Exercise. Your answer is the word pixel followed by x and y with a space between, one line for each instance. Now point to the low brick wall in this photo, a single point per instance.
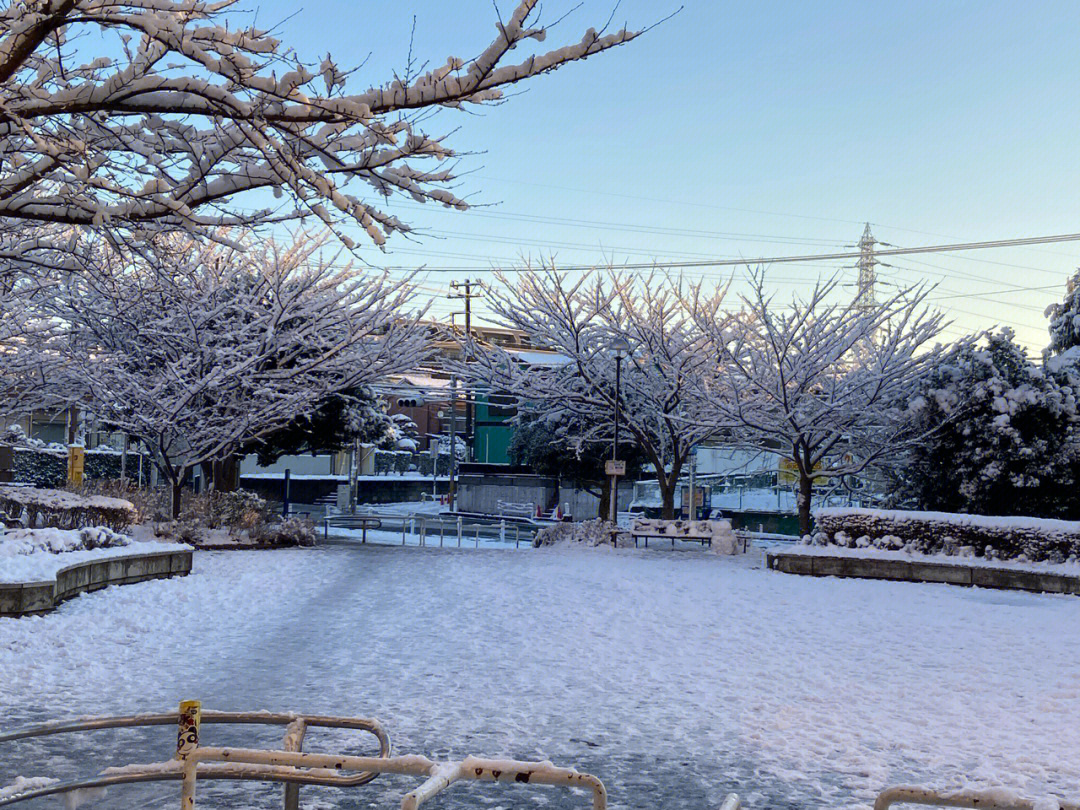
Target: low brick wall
pixel 980 576
pixel 32 598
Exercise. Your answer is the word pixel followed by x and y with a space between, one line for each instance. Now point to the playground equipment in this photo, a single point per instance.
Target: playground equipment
pixel 290 765
pixel 294 767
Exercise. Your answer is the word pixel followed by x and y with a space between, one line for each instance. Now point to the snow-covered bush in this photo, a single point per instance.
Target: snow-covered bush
pixel 951 533
pixel 210 518
pixel 40 508
pixel 20 541
pixel 292 531
pixel 596 532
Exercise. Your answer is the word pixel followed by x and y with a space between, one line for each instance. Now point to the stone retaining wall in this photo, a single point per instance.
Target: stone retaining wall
pixel 917 571
pixel 32 598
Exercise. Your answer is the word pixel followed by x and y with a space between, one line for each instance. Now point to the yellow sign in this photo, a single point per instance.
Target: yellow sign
pixel 789 471
pixel 76 463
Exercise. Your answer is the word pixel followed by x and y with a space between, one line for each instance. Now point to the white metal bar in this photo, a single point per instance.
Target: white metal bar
pixel 472 768
pixel 991 799
pixel 294 741
pixel 187 788
pixel 441 778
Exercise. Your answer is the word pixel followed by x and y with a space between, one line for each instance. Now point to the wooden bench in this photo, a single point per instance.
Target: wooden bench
pixel 700 531
pixel 671 530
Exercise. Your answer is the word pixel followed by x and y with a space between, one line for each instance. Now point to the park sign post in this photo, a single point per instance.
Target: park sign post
pixel 615 469
pixel 76 464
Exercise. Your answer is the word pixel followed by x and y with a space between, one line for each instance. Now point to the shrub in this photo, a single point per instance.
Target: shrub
pixel 292 531
pixel 54 508
pixel 384 462
pixel 948 533
pixel 241 514
pixel 423 461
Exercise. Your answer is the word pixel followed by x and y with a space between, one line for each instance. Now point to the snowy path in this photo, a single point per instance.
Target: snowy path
pixel 674 677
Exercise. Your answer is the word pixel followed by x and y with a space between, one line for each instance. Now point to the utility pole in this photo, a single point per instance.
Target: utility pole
pixel 452 489
pixel 467 286
pixel 864 298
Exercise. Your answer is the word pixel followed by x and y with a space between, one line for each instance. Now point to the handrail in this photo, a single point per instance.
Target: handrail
pixel 989 799
pixel 296 725
pixel 292 765
pixel 424 526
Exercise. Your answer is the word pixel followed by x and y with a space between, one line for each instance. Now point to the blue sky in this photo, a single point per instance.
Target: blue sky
pixel 754 129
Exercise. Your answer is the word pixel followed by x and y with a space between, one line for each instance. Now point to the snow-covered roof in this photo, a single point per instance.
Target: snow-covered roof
pixel 539 357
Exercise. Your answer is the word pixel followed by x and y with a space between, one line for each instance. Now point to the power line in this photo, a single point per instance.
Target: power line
pixel 999 243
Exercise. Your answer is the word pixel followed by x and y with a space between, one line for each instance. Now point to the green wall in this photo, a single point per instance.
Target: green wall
pixel 491 433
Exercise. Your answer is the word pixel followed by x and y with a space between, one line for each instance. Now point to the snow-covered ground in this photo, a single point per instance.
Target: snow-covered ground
pixel 675 677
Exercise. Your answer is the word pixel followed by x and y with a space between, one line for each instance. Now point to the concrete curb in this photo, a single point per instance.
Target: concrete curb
pixel 35 598
pixel 916 571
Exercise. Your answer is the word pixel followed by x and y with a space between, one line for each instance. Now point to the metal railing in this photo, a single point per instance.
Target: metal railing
pixel 449 530
pixel 990 799
pixel 290 765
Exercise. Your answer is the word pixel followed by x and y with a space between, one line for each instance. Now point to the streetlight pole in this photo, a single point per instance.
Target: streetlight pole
pixel 621 347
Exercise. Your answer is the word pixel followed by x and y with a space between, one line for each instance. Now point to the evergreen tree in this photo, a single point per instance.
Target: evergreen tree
pixel 551 445
pixel 1002 436
pixel 1065 319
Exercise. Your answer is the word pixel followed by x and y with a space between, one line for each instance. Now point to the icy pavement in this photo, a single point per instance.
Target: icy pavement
pixel 673 677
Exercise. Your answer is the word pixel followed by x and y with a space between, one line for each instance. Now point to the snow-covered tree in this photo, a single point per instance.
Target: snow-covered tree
pixel 198 349
pixel 167 113
pixel 823 383
pixel 550 445
pixel 1003 436
pixel 582 320
pixel 1065 319
pixel 402 434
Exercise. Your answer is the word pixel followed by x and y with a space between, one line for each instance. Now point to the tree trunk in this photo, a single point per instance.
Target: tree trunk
pixel 667 498
pixel 174 504
pixel 225 474
pixel 806 484
pixel 604 508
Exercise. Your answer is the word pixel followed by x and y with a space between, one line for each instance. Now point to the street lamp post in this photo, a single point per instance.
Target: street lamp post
pixel 621 348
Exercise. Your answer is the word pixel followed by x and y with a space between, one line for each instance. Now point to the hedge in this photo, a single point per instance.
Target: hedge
pixel 54 508
pixel 949 533
pixel 48 468
pixel 423 461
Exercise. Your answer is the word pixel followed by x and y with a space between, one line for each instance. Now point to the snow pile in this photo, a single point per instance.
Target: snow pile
pixel 949 533
pixel 596 532
pixel 38 508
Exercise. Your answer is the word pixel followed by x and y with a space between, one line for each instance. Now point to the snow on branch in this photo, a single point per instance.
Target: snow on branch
pixel 823 381
pixel 582 320
pixel 188 112
pixel 199 347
